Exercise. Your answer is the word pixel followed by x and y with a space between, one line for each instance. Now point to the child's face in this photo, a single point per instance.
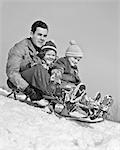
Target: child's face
pixel 74 60
pixel 49 57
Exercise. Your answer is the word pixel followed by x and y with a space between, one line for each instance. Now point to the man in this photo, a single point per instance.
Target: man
pixel 23 56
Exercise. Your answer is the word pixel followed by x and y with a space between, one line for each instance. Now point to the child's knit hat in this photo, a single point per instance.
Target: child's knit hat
pixel 49 45
pixel 74 50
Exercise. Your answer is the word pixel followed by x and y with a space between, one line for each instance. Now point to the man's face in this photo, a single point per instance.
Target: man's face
pixel 74 60
pixel 39 36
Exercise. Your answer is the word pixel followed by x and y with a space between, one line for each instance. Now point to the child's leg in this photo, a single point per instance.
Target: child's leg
pixel 106 104
pixel 97 96
pixel 78 91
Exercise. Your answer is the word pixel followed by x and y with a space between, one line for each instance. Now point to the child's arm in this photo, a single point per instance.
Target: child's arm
pixel 56 75
pixel 58 70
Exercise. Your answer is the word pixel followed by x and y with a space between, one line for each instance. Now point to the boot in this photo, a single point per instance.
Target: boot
pixel 32 94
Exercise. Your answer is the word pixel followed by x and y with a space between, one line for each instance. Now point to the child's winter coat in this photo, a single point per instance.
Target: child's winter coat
pixel 69 74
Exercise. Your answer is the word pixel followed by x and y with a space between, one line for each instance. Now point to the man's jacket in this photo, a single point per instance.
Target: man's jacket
pixel 21 57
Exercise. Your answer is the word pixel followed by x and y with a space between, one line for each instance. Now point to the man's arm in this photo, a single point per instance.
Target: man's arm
pixel 15 57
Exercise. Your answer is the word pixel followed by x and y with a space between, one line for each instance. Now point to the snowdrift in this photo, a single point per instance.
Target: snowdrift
pixel 24 127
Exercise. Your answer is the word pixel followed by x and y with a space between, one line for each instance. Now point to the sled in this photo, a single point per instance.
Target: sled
pixel 79 119
pixel 99 115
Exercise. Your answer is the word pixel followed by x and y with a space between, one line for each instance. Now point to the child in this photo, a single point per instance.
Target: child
pixel 65 74
pixel 70 91
pixel 67 66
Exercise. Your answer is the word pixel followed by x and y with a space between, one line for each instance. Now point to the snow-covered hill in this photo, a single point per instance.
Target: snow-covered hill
pixel 24 127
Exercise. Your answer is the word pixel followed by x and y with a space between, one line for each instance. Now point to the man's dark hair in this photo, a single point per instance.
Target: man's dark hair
pixel 38 24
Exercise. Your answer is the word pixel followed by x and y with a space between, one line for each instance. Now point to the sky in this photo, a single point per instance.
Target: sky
pixel 93 24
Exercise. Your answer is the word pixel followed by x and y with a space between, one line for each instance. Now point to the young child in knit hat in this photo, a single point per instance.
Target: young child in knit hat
pixel 67 66
pixel 65 74
pixel 48 54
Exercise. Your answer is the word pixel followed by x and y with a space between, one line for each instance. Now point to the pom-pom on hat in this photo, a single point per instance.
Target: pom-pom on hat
pixel 49 45
pixel 74 50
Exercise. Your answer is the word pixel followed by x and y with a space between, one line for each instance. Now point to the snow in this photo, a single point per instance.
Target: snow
pixel 24 127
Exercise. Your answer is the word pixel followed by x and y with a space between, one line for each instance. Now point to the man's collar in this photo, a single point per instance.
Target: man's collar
pixel 32 46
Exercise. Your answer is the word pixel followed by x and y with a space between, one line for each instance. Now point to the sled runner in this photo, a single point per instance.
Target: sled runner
pixel 87 120
pixel 63 112
pixel 79 119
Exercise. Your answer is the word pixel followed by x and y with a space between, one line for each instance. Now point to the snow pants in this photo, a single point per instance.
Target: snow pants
pixel 38 77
